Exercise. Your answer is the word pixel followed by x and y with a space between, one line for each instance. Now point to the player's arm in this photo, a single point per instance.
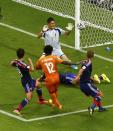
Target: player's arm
pixel 13 63
pixel 38 66
pixel 59 60
pixel 44 29
pixel 68 63
pixel 31 65
pixel 77 79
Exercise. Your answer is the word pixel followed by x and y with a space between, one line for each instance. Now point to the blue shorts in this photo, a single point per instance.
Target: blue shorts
pixel 29 85
pixel 89 89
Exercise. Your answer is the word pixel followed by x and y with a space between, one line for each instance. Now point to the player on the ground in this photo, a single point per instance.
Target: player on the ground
pixel 86 86
pixel 48 64
pixel 51 35
pixel 67 78
pixel 28 83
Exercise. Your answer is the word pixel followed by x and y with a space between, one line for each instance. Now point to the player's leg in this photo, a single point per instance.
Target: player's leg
pixel 97 97
pixel 100 78
pixel 104 78
pixel 23 103
pixel 53 94
pixel 39 93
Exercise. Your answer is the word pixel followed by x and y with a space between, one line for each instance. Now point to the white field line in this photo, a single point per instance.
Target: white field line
pixel 65 45
pixel 12 116
pixel 46 117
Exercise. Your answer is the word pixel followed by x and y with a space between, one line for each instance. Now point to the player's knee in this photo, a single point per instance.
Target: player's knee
pixel 38 84
pixel 29 96
pixel 98 98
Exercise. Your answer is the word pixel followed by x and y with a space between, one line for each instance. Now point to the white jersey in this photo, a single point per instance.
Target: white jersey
pixel 51 37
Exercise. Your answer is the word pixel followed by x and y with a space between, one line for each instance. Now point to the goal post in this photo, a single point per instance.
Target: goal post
pixel 93 18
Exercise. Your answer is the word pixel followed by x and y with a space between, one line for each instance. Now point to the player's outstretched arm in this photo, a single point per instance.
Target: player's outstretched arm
pixel 77 79
pixel 31 64
pixel 44 29
pixel 68 63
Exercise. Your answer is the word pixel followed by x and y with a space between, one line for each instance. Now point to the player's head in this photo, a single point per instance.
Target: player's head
pixel 90 54
pixel 48 49
pixel 51 23
pixel 20 53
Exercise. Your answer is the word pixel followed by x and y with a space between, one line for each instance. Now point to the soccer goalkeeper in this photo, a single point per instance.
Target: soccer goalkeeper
pixel 52 34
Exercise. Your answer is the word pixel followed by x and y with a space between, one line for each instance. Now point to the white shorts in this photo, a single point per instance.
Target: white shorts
pixel 58 52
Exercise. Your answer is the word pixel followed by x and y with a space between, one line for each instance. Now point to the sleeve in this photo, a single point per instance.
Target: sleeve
pixel 61 31
pixel 85 65
pixel 38 65
pixel 13 63
pixel 58 60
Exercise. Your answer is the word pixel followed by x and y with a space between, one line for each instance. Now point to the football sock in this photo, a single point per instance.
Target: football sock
pixel 93 106
pixel 39 93
pixel 23 104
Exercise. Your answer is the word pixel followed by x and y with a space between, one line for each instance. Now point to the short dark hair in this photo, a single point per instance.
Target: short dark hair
pixel 48 49
pixel 20 53
pixel 90 53
pixel 50 19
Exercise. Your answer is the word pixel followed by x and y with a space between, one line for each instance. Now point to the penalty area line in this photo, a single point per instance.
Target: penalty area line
pixel 47 117
pixel 65 45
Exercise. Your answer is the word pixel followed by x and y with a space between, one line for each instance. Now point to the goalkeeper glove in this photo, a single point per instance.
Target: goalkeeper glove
pixel 45 28
pixel 70 26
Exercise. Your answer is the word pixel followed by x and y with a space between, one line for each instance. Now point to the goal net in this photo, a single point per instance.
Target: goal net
pixel 93 18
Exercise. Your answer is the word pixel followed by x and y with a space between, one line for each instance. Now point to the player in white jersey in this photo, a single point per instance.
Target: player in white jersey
pixel 52 34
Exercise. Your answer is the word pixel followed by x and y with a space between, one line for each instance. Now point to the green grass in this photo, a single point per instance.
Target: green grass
pixel 72 98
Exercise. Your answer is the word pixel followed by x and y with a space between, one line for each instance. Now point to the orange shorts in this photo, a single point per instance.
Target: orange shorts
pixel 52 83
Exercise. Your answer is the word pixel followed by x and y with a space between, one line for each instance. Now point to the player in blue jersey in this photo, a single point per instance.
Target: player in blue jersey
pixel 28 83
pixel 86 86
pixel 67 78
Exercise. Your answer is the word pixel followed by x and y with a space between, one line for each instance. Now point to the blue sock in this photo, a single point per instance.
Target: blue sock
pixel 23 104
pixel 39 93
pixel 93 106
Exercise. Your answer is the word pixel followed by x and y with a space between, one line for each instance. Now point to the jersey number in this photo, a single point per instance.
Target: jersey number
pixel 50 67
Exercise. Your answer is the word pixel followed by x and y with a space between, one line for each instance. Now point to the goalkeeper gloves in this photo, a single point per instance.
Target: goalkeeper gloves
pixel 45 28
pixel 70 26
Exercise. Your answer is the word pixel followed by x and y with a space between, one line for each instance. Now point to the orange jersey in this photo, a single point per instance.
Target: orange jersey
pixel 48 64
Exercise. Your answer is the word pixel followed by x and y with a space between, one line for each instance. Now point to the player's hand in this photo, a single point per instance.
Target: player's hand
pixel 45 28
pixel 76 80
pixel 70 26
pixel 29 59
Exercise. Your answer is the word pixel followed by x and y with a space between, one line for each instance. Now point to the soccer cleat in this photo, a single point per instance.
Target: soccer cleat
pixel 105 78
pixel 91 110
pixel 101 109
pixel 17 112
pixel 96 78
pixel 41 102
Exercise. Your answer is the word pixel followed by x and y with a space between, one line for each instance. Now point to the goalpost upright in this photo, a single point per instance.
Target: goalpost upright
pixel 77 22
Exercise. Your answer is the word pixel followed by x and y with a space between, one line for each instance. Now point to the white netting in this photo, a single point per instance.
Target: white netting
pixel 97 15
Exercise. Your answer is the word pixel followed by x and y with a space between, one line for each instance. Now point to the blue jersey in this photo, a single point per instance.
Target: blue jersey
pixel 66 78
pixel 23 70
pixel 27 82
pixel 85 77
